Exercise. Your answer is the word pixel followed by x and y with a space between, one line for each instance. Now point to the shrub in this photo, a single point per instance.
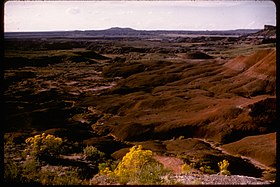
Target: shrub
pixel 31 170
pixel 139 167
pixel 106 171
pixel 186 168
pixel 107 167
pixel 181 137
pixel 12 172
pixel 206 169
pixel 58 176
pixel 223 167
pixel 69 177
pixel 18 173
pixel 43 145
pixel 93 154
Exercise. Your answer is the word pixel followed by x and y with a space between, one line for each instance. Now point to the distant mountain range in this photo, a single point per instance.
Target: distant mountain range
pixel 125 32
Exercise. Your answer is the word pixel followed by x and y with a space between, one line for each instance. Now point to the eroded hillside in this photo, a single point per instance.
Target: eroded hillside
pixel 213 99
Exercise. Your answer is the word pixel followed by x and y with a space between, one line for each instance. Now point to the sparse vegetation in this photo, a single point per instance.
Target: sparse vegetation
pixel 31 171
pixel 186 168
pixel 181 137
pixel 61 177
pixel 43 145
pixel 93 154
pixel 206 169
pixel 12 172
pixel 139 167
pixel 223 165
pixel 107 167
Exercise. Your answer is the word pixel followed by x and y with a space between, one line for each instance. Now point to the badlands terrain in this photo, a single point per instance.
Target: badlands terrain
pixel 199 97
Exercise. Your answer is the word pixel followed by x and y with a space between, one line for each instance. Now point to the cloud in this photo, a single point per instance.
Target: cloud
pixel 210 4
pixel 73 10
pixel 251 24
pixel 126 12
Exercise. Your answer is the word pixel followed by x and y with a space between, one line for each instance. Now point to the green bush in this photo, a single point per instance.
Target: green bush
pixel 12 172
pixel 93 154
pixel 30 172
pixel 17 173
pixel 107 167
pixel 207 169
pixel 69 177
pixel 31 169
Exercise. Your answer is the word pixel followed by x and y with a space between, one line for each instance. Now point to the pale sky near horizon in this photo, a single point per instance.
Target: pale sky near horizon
pixel 142 15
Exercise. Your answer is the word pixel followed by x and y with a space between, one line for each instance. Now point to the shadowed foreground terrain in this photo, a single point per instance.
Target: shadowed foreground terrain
pixel 200 99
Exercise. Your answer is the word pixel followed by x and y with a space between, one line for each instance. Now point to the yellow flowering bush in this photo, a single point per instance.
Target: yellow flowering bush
pixel 223 167
pixel 139 167
pixel 107 168
pixel 107 171
pixel 186 168
pixel 43 145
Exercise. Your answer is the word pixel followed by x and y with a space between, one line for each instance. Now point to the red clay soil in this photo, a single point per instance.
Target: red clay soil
pixel 266 65
pixel 204 99
pixel 172 163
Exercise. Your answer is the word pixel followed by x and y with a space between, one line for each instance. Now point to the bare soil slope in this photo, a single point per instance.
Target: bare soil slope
pixel 193 98
pixel 260 147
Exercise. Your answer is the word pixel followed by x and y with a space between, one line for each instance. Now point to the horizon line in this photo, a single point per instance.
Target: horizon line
pixel 148 30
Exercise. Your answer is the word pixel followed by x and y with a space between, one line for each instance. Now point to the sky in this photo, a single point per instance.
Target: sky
pixel 24 16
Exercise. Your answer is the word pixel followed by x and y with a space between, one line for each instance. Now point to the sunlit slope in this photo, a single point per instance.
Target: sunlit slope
pixel 219 100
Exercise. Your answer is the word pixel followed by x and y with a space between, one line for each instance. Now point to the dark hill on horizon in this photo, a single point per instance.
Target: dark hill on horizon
pixel 127 32
pixel 268 31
